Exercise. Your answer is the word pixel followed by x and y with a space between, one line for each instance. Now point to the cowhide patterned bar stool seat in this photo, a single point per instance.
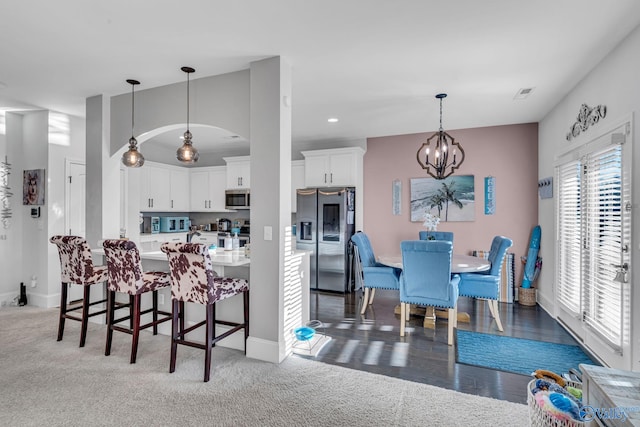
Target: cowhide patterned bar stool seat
pixel 193 280
pixel 76 267
pixel 126 276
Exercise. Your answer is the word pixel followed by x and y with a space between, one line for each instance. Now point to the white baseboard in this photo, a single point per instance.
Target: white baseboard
pixel 261 349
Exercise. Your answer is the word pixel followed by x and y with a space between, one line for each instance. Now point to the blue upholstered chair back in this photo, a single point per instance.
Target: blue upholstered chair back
pixel 437 235
pixel 426 277
pixel 367 258
pixel 498 250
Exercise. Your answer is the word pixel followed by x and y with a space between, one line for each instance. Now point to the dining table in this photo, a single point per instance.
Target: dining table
pixel 459 264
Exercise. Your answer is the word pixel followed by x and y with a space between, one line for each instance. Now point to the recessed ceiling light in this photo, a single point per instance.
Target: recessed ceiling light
pixel 523 93
pixel 332 120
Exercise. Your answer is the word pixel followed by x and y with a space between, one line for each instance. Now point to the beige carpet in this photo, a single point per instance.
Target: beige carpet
pixel 49 383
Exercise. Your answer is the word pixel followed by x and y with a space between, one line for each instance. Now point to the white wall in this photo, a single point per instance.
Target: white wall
pixel 614 83
pixel 72 149
pixel 221 101
pixel 26 252
pixel 11 246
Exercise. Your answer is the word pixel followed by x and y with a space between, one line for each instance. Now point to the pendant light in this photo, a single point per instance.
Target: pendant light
pixel 187 153
pixel 132 158
pixel 444 151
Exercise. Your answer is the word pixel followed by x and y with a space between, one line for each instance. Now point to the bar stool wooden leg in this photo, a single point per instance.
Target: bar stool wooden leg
pixel 155 312
pixel 110 313
pixel 136 328
pixel 85 314
pixel 246 319
pixel 63 310
pixel 208 343
pixel 175 333
pixel 181 317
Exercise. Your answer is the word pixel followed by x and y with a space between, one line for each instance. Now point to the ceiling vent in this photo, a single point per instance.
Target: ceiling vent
pixel 523 93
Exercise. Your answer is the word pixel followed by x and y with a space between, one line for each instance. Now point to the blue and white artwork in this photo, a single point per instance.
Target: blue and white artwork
pixel 450 199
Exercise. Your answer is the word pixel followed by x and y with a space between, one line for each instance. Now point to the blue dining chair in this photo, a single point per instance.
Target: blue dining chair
pixel 486 284
pixel 374 275
pixel 436 235
pixel 426 279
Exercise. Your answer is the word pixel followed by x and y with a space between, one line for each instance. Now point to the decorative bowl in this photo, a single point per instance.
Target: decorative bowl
pixel 304 333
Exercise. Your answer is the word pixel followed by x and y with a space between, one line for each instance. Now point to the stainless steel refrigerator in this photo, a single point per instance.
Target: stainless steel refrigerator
pixel 325 222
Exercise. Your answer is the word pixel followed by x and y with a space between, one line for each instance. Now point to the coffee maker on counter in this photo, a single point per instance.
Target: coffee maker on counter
pixel 224 224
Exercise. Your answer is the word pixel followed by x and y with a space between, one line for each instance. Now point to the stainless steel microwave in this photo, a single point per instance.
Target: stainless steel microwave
pixel 237 199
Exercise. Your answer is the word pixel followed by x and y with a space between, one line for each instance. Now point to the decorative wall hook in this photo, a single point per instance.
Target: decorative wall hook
pixel 545 188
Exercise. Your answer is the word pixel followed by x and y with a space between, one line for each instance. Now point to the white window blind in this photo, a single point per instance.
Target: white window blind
pixel 602 256
pixel 568 275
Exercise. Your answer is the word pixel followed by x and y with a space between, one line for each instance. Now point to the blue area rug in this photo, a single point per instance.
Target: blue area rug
pixel 517 355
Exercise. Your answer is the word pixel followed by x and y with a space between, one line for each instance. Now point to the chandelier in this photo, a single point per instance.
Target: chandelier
pixel 443 150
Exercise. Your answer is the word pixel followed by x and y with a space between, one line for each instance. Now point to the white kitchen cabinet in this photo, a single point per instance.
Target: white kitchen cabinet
pixel 238 172
pixel 163 188
pixel 339 166
pixel 297 181
pixel 207 189
pixel 179 190
pixel 155 187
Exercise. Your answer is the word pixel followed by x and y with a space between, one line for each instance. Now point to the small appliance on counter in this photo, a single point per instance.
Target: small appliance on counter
pixel 174 224
pixel 224 224
pixel 150 225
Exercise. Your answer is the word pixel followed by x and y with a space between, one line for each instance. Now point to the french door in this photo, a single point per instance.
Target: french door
pixel 593 275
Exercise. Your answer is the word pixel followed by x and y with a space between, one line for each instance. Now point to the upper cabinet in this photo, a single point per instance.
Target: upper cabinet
pixel 238 172
pixel 339 166
pixel 207 189
pixel 163 188
pixel 179 190
pixel 297 181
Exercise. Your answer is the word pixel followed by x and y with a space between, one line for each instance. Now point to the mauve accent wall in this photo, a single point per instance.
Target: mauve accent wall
pixel 508 153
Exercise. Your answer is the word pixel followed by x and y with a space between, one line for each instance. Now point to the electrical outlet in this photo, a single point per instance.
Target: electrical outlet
pixel 160 299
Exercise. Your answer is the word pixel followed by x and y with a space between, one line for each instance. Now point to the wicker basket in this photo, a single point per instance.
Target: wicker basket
pixel 527 296
pixel 541 418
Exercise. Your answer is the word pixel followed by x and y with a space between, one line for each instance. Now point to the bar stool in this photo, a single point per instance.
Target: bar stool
pixel 126 276
pixel 76 267
pixel 193 280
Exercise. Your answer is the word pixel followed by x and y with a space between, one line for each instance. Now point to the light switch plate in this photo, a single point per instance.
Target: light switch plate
pixel 268 232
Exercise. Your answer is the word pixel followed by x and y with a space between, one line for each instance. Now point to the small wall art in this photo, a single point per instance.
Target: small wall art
pixel 33 187
pixel 450 199
pixel 489 195
pixel 396 197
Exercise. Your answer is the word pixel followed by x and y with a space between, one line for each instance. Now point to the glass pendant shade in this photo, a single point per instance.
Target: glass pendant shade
pixel 187 153
pixel 132 158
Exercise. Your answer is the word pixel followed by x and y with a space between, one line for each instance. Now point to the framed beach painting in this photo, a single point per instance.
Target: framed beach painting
pixel 450 199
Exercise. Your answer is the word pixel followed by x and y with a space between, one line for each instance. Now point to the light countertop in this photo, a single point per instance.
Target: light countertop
pixel 218 257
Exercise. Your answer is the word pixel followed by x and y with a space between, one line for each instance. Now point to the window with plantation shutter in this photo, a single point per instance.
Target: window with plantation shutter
pixel 569 237
pixel 593 243
pixel 602 293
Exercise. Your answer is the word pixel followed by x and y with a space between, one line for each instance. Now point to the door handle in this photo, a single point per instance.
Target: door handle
pixel 621 274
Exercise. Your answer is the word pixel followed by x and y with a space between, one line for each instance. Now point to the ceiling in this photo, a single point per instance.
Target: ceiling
pixel 375 65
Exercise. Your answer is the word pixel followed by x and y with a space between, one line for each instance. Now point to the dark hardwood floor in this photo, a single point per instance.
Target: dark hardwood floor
pixel 372 342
